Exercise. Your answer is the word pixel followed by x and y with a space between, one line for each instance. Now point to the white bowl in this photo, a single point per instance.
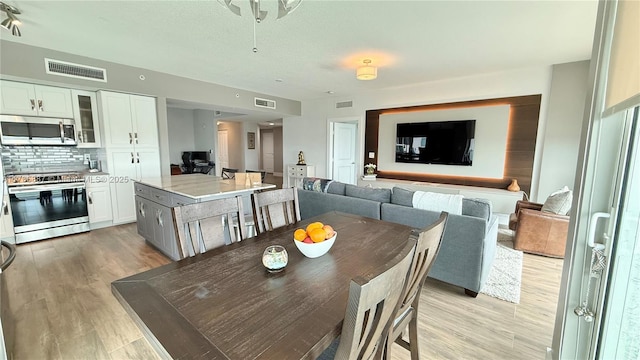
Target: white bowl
pixel 316 249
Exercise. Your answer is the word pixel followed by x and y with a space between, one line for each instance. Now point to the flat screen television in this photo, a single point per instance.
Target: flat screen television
pixel 437 142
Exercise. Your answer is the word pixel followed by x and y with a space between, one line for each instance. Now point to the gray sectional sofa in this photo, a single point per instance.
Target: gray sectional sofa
pixel 469 243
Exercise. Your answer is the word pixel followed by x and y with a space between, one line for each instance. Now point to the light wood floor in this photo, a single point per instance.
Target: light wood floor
pixel 61 299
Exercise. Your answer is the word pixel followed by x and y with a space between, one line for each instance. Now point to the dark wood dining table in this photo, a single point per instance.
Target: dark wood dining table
pixel 224 304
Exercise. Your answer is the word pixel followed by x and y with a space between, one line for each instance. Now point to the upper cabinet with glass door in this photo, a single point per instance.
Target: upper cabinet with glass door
pixel 18 98
pixel 85 113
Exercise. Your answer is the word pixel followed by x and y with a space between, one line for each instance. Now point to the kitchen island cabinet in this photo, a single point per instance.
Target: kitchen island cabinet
pixel 155 197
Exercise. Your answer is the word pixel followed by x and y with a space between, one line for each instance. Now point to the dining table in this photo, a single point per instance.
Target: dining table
pixel 224 304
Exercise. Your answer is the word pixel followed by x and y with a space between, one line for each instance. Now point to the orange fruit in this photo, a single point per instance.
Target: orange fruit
pixel 299 234
pixel 329 230
pixel 315 225
pixel 317 234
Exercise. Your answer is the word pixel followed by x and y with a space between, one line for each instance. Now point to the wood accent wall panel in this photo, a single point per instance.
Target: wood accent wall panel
pixel 520 151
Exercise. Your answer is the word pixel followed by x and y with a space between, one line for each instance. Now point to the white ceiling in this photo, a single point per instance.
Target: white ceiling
pixel 317 48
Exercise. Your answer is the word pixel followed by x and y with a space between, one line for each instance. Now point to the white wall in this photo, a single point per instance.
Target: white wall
pixel 308 132
pixel 251 156
pixel 181 130
pixel 492 123
pixel 564 125
pixel 205 132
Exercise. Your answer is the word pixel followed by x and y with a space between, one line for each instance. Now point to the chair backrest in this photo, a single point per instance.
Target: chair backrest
pixel 275 208
pixel 205 226
pixel 427 247
pixel 371 308
pixel 228 173
pixel 263 174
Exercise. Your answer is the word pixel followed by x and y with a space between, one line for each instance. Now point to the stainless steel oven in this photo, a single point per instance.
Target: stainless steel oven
pixel 24 130
pixel 47 205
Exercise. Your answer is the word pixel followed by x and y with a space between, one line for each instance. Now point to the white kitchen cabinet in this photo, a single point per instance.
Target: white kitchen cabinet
pixel 131 139
pixel 99 200
pixel 295 173
pixel 125 166
pixel 85 113
pixel 129 120
pixel 6 221
pixel 17 98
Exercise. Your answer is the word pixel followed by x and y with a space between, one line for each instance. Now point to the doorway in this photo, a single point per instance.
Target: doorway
pixel 223 151
pixel 268 152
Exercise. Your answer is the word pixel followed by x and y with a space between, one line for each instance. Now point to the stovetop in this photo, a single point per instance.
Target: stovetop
pixel 19 179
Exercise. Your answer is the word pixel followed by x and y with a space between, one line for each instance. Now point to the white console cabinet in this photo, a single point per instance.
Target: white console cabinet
pixel 295 173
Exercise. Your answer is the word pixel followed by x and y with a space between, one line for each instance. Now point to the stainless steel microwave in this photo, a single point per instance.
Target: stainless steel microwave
pixel 24 130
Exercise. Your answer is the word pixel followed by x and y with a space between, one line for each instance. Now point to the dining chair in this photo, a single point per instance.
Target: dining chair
pixel 371 307
pixel 228 173
pixel 428 242
pixel 275 208
pixel 263 173
pixel 205 226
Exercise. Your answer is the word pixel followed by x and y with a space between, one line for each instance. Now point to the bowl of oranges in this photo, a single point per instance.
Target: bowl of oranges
pixel 315 240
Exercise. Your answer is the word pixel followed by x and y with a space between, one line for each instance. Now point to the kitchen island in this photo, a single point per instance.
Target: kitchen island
pixel 155 197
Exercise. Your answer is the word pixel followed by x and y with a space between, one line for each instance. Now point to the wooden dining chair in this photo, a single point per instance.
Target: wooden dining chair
pixel 275 208
pixel 263 173
pixel 228 173
pixel 371 307
pixel 427 246
pixel 207 225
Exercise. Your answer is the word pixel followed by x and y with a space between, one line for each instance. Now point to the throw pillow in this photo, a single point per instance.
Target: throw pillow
pixel 400 196
pixel 559 202
pixel 380 195
pixel 451 203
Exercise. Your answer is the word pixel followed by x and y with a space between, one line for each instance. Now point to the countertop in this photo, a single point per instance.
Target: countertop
pixel 201 186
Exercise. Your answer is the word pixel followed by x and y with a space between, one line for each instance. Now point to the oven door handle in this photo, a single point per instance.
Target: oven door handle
pixel 28 189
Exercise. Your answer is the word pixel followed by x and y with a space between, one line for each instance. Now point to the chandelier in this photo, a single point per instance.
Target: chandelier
pixel 11 23
pixel 285 7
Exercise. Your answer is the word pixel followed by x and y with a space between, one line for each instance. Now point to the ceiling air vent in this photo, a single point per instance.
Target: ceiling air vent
pixel 63 68
pixel 344 104
pixel 265 103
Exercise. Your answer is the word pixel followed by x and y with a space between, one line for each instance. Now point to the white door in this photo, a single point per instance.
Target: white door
pixel 344 152
pixel 267 152
pixel 17 98
pixel 598 314
pixel 148 163
pixel 116 115
pixel 99 203
pixel 54 101
pixel 123 170
pixel 145 123
pixel 223 151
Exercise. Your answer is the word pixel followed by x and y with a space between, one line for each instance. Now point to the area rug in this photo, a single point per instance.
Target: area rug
pixel 505 277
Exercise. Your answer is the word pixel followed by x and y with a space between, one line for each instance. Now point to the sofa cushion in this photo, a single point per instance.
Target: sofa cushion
pixel 451 203
pixel 400 196
pixel 336 187
pixel 380 195
pixel 559 202
pixel 315 203
pixel 477 207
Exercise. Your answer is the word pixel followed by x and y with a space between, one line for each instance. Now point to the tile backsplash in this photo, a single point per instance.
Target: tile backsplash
pixel 46 158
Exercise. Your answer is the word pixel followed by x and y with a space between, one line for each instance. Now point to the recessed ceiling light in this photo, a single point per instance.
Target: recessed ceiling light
pixel 271 123
pixel 279 80
pixel 330 92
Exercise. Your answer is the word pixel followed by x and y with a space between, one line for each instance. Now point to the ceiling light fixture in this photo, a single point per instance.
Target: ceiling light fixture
pixel 285 7
pixel 11 23
pixel 366 71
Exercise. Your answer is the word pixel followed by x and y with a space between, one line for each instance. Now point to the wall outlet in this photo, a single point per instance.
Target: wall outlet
pixel 87 157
